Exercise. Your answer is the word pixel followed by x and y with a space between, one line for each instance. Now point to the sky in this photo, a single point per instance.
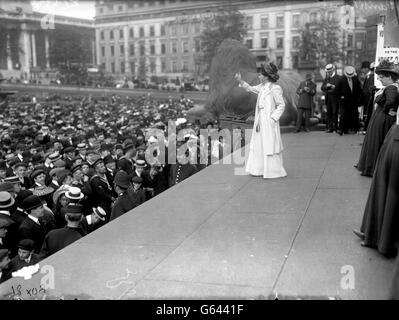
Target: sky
pixel 72 8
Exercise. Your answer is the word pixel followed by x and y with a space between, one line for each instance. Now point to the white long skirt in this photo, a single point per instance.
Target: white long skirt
pixel 260 164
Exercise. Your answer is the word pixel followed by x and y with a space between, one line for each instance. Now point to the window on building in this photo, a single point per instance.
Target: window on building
pixel 102 35
pixel 130 4
pixel 163 48
pixel 313 17
pixel 280 43
pixel 184 28
pixel 101 10
pixel 295 61
pixel 103 51
pixel 152 66
pixel 173 29
pixel 331 15
pixel 249 20
pixel 141 32
pixel 197 45
pixel 132 67
pixel 142 50
pixel 264 22
pixel 174 47
pixel 111 34
pixel 121 49
pixel 113 67
pixel 296 20
pixel 112 51
pixel 359 44
pixel 152 48
pixel 185 46
pixel 110 7
pixel 103 66
pixel 162 30
pixel 122 67
pixel 120 8
pixel 279 62
pixel 174 66
pixel 132 49
pixel 152 31
pixel 121 34
pixel 350 40
pixel 280 21
pixel 197 27
pixel 131 33
pixel 163 65
pixel 248 43
pixel 295 42
pixel 185 66
pixel 264 42
pixel 141 3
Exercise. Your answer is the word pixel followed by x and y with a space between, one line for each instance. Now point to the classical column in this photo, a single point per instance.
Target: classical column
pixel 26 47
pixel 47 50
pixel 34 58
pixel 126 45
pixel 8 51
pixel 287 60
pixel 98 51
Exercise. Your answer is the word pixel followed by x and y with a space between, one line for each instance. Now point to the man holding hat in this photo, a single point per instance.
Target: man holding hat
pixel 329 87
pixel 306 92
pixel 26 256
pixel 58 239
pixel 31 227
pixel 350 96
pixel 124 202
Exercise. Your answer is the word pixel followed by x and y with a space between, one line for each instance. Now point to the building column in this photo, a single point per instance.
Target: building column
pixel 287 59
pixel 8 51
pixel 34 58
pixel 47 50
pixel 126 45
pixel 25 41
pixel 98 51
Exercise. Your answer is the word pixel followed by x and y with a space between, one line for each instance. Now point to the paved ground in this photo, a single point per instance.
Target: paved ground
pixel 221 235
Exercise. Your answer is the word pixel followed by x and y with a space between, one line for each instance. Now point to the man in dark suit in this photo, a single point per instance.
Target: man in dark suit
pixel 368 95
pixel 31 228
pixel 102 190
pixel 181 170
pixel 58 239
pixel 350 97
pixel 10 239
pixel 306 92
pixel 4 264
pixel 329 87
pixel 26 256
pixel 125 163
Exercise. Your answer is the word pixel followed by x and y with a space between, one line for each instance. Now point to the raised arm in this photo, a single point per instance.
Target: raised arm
pixel 246 86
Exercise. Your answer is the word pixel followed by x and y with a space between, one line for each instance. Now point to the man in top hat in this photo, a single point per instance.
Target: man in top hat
pixel 58 239
pixel 368 95
pixel 124 202
pixel 102 190
pixel 350 97
pixel 306 92
pixel 31 227
pixel 125 163
pixel 26 256
pixel 329 87
pixel 4 264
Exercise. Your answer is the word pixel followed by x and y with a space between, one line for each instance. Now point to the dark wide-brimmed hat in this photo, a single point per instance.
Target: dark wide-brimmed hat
pixel 269 70
pixel 32 202
pixel 387 66
pixel 122 179
pixel 26 244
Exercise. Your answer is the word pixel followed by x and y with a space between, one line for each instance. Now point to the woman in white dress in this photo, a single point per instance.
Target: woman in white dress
pixel 265 149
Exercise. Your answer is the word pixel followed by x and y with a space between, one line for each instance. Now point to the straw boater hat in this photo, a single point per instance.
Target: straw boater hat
pixel 6 201
pixel 349 71
pixel 100 213
pixel 329 67
pixel 74 194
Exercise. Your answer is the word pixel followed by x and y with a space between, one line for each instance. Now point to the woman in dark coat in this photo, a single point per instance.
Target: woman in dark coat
pixel 382 119
pixel 380 225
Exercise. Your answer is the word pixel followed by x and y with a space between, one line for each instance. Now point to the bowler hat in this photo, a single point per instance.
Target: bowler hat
pixel 6 200
pixel 365 64
pixel 26 244
pixel 4 253
pixel 122 179
pixel 32 202
pixel 37 172
pixel 137 179
pixel 7 186
pixel 100 213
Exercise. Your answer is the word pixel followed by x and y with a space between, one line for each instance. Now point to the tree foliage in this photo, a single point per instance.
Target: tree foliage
pixel 228 23
pixel 321 41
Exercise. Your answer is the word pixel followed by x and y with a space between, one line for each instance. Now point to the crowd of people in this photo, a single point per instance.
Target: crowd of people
pixel 70 165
